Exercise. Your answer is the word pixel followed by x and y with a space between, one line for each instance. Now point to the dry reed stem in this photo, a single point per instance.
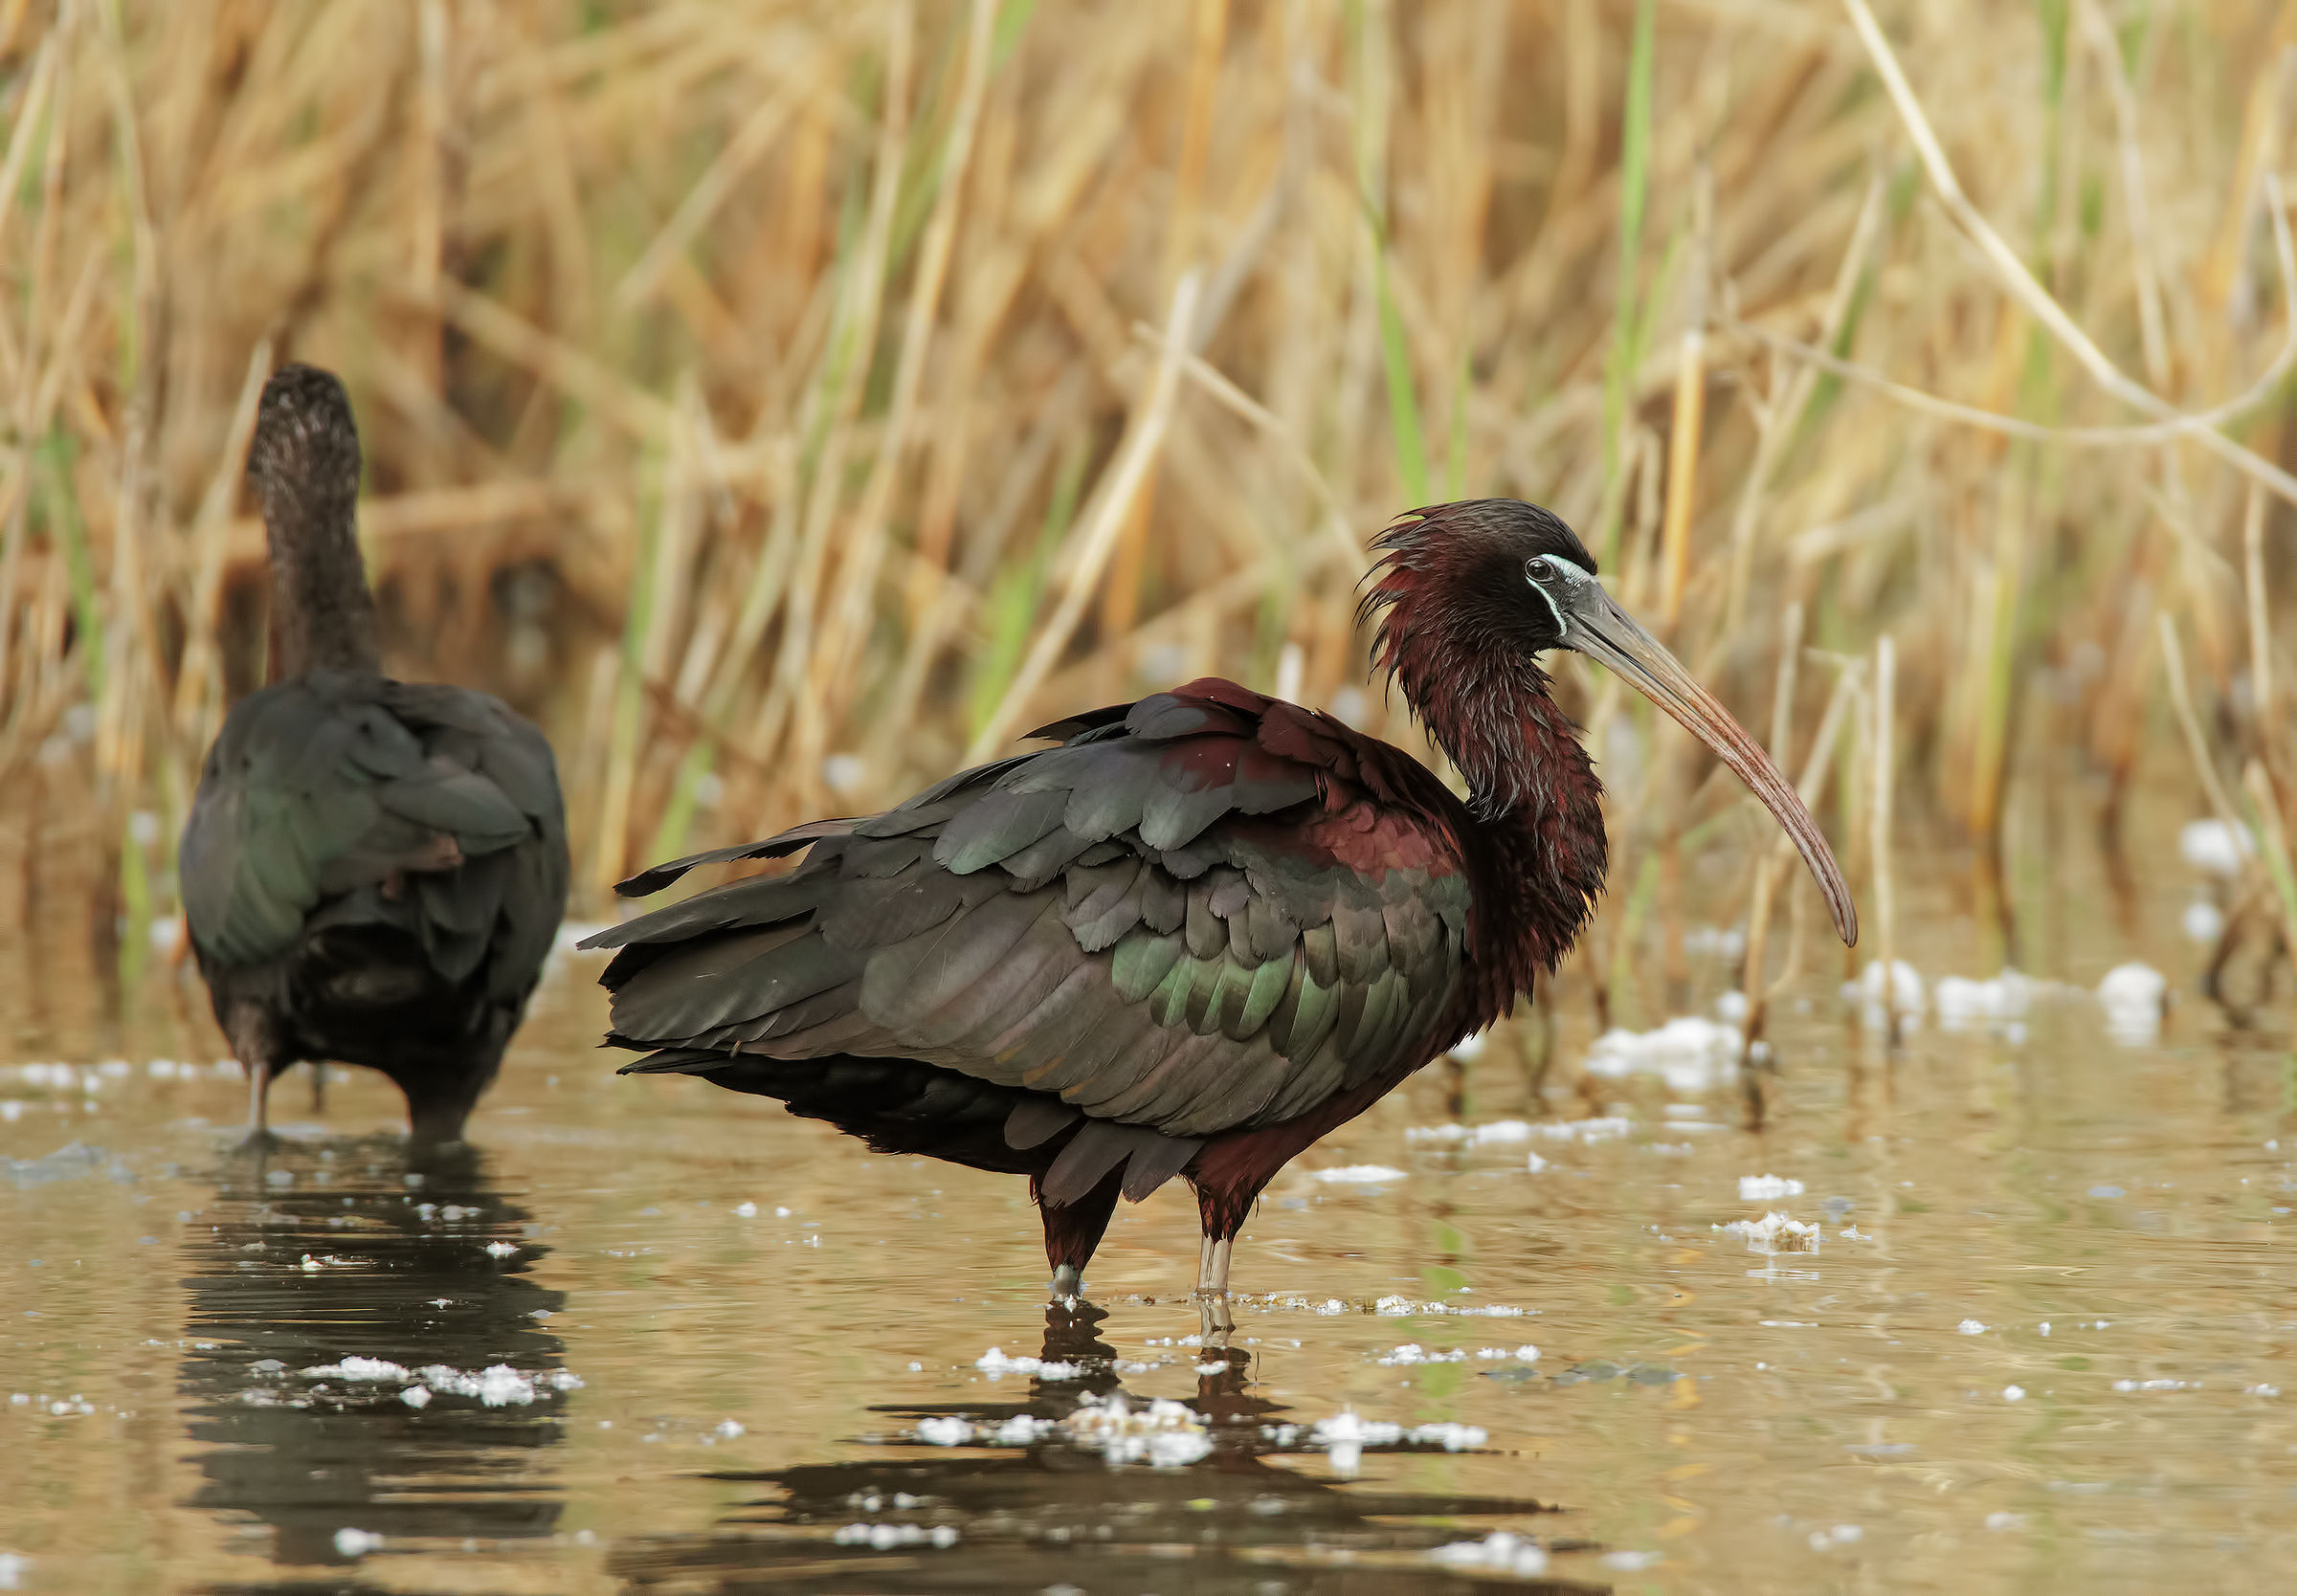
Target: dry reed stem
pixel 1095 541
pixel 790 314
pixel 2258 610
pixel 1885 909
pixel 2029 293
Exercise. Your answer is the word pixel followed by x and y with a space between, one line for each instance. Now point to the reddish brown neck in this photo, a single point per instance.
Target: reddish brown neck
pixel 1534 791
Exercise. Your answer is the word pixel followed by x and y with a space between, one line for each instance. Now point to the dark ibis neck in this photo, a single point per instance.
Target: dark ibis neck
pixel 1534 791
pixel 321 615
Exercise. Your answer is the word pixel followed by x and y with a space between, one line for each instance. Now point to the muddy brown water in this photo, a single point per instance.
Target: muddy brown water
pixel 656 1338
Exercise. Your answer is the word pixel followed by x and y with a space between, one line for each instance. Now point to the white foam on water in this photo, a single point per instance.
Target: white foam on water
pixel 1763 1188
pixel 2215 848
pixel 1904 997
pixel 1607 1128
pixel 1691 1054
pixel 1165 1434
pixel 884 1537
pixel 2132 995
pixel 1357 1174
pixel 2202 921
pixel 1411 1352
pixel 1345 1436
pixel 1774 1232
pixel 361 1368
pixel 498 1386
pixel 1967 1005
pixel 1497 1552
pixel 996 1365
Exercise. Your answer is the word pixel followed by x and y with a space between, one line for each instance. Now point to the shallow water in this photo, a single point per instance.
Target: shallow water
pixel 669 1340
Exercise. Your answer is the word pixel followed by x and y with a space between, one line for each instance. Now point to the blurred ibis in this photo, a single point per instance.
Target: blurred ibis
pixel 373 869
pixel 1202 930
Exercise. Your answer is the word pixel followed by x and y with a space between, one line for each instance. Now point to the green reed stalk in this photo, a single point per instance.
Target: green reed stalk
pixel 1403 399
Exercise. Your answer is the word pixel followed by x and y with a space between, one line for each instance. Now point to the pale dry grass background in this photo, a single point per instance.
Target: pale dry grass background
pixel 787 401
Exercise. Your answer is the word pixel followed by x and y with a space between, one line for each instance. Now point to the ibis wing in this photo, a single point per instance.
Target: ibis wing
pixel 345 799
pixel 1214 912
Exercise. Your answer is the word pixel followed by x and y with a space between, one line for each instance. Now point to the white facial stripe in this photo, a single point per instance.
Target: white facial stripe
pixel 1563 627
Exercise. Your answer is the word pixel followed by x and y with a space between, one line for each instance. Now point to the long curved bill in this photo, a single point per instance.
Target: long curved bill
pixel 1599 629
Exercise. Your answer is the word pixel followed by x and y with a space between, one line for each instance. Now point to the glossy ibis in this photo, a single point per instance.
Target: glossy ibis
pixel 1203 930
pixel 373 869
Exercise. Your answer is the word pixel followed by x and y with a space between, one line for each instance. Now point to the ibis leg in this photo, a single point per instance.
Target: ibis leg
pixel 258 1090
pixel 318 1087
pixel 1211 1265
pixel 1211 1290
pixel 263 1054
pixel 1073 1230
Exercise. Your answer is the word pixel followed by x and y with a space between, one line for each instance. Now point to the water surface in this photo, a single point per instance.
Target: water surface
pixel 652 1337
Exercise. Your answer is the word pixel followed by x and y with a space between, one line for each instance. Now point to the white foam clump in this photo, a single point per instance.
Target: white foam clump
pixel 996 1365
pixel 1498 1130
pixel 1345 1437
pixel 1399 1307
pixel 1411 1352
pixel 1497 1552
pixel 2213 847
pixel 1762 1188
pixel 1357 1174
pixel 2132 995
pixel 884 1537
pixel 1722 942
pixel 1905 996
pixel 499 1386
pixel 1691 1054
pixel 355 1542
pixel 1165 1434
pixel 1774 1232
pixel 952 1430
pixel 2202 921
pixel 361 1368
pixel 1971 1327
pixel 1608 1128
pixel 1966 1005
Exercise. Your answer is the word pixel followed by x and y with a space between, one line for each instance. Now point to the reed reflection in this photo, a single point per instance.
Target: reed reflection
pixel 366 1355
pixel 1053 1512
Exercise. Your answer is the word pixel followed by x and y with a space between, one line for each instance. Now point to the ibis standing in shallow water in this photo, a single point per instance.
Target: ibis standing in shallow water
pixel 373 869
pixel 1205 928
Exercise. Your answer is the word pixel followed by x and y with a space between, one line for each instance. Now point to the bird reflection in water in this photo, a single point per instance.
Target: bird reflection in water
pixel 407 1286
pixel 1053 1514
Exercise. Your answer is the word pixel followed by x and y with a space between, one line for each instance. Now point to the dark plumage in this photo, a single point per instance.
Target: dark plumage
pixel 1199 933
pixel 373 869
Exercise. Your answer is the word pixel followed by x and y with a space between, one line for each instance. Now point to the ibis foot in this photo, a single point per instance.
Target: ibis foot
pixel 1067 1282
